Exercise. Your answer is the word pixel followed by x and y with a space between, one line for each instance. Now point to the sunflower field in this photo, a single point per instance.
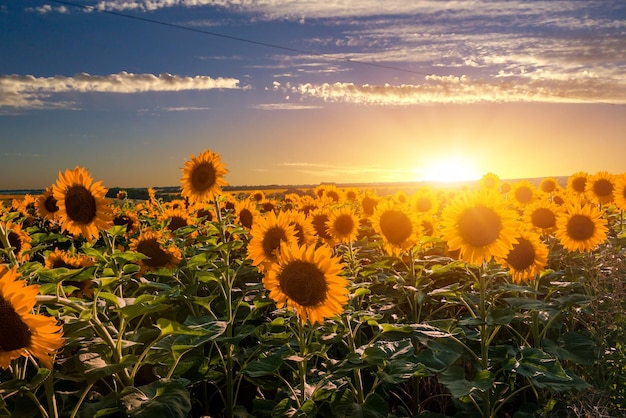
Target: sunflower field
pixel 497 300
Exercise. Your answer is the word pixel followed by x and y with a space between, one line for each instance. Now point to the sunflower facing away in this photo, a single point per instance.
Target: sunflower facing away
pixel 479 225
pixel 581 227
pixel 203 177
pixel 21 332
pixel 527 258
pixel 307 280
pixel 83 208
pixel 267 235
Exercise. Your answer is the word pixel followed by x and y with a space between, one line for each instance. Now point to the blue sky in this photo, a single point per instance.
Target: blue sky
pixel 303 92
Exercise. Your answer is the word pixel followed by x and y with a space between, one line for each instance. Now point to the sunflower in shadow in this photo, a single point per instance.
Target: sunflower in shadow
pixel 581 227
pixel 527 258
pixel 46 205
pixel 307 279
pixel 153 245
pixel 267 235
pixel 203 177
pixel 23 333
pixel 83 208
pixel 18 239
pixel 479 225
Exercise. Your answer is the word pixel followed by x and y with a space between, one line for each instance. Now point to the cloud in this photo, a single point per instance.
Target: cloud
pixel 515 87
pixel 28 91
pixel 285 106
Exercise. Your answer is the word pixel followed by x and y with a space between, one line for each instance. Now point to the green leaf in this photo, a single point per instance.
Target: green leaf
pixel 459 387
pixel 163 398
pixel 375 406
pixel 500 316
pixel 39 378
pixel 265 366
pixel 168 327
pixel 572 346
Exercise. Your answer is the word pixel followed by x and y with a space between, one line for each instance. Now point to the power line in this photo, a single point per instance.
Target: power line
pixel 238 39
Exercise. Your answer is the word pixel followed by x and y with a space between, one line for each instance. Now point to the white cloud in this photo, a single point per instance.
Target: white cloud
pixel 28 91
pixel 285 106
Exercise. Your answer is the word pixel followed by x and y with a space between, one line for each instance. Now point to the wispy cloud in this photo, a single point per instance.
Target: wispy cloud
pixel 28 91
pixel 285 106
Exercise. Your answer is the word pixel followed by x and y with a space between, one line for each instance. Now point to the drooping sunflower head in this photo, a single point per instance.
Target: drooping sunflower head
pixel 527 258
pixel 307 279
pixel 343 224
pixel 581 227
pixel 21 332
pixel 397 225
pixel 600 187
pixel 479 225
pixel 83 208
pixel 267 235
pixel 203 176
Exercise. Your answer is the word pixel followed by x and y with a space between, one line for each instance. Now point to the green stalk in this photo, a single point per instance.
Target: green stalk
pixel 50 397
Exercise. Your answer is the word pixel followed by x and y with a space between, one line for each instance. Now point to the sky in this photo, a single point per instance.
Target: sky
pixel 293 92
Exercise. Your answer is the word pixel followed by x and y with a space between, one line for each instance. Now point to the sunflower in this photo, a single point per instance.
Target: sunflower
pixel 522 193
pixel 600 187
pixel 127 218
pixel 307 279
pixel 527 258
pixel 267 235
pixel 19 240
pixel 203 177
pixel 83 208
pixel 424 201
pixel 305 232
pixel 176 219
pixel 368 201
pixel 257 196
pixel 490 181
pixel 479 225
pixel 397 226
pixel 46 205
pixel 581 227
pixel 246 213
pixel 63 259
pixel 21 332
pixel 319 219
pixel 152 244
pixel 577 182
pixel 619 194
pixel 542 215
pixel 549 185
pixel 343 224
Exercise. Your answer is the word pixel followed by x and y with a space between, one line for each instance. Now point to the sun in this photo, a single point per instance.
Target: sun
pixel 448 169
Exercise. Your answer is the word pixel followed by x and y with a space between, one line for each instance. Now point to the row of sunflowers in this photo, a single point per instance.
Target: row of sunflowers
pixel 503 298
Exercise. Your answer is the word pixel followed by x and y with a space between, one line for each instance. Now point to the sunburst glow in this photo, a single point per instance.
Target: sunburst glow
pixel 448 169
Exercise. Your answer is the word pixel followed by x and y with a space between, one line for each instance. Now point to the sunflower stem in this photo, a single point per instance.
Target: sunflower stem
pixel 50 396
pixel 4 239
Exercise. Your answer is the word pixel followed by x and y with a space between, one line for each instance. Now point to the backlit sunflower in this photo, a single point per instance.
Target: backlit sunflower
pixel 577 182
pixel 522 193
pixel 368 201
pixel 267 235
pixel 479 225
pixel 549 185
pixel 542 215
pixel 203 177
pixel 424 202
pixel 397 226
pixel 600 187
pixel 19 240
pixel 246 213
pixel 490 181
pixel 83 208
pixel 21 332
pixel 307 279
pixel 619 194
pixel 343 224
pixel 319 220
pixel 152 244
pixel 527 258
pixel 46 205
pixel 581 227
pixel 305 232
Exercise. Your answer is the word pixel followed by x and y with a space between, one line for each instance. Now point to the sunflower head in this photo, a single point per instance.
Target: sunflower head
pixel 153 245
pixel 581 227
pixel 203 176
pixel 343 224
pixel 307 279
pixel 600 187
pixel 267 235
pixel 397 226
pixel 527 258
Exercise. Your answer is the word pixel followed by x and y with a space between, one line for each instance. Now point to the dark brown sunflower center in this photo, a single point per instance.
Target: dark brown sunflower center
pixel 333 195
pixel 395 226
pixel 578 184
pixel 344 224
pixel 303 283
pixel 319 223
pixel 548 186
pixel 580 228
pixel 204 213
pixel 267 207
pixel 14 333
pixel 603 188
pixel 177 222
pixel 272 240
pixel 203 177
pixel 123 220
pixel 51 204
pixel 14 241
pixel 423 204
pixel 80 204
pixel 245 218
pixel 351 195
pixel 152 249
pixel 299 233
pixel 522 256
pixel 543 218
pixel 479 226
pixel 59 262
pixel 368 204
pixel 523 195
